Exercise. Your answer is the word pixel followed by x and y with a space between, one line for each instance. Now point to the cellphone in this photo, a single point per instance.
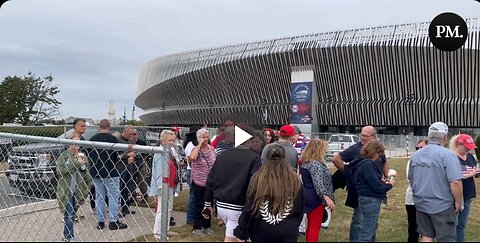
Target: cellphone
pixel 206 213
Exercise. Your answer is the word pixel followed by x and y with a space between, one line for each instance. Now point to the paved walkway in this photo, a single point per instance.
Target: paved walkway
pixel 42 221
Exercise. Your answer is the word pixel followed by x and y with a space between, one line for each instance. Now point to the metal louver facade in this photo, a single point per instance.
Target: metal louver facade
pixel 383 76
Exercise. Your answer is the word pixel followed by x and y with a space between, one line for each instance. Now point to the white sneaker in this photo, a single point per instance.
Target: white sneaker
pixel 176 194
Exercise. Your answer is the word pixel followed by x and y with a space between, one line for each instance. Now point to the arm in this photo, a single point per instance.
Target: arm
pixel 338 162
pixel 385 168
pixel 457 191
pixel 241 232
pixel 195 153
pixel 209 186
pixel 317 173
pixel 376 185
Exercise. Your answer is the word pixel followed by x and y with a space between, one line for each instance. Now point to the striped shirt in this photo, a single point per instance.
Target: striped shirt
pixel 202 165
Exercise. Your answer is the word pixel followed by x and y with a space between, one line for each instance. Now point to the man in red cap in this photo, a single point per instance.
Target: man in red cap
pixel 221 136
pixel 285 134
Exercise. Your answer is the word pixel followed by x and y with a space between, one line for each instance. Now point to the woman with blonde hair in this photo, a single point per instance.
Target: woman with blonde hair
pixel 274 207
pixel 166 142
pixel 461 144
pixel 317 186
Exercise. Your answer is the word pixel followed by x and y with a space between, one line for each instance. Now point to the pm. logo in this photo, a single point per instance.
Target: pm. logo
pixel 448 31
pixel 301 93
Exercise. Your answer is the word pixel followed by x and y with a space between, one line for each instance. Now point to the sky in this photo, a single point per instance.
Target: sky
pixel 95 49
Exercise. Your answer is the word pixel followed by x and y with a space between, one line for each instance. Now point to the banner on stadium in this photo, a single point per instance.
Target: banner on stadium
pixel 301 103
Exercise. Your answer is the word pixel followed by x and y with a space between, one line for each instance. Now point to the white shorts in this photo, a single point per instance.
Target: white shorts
pixel 230 218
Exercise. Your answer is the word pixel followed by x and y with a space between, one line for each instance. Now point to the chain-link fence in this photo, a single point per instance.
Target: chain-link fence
pixel 50 183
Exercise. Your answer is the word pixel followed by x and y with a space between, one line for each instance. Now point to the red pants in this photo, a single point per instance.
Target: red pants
pixel 314 223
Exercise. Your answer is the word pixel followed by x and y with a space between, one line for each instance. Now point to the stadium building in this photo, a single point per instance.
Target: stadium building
pixel 390 77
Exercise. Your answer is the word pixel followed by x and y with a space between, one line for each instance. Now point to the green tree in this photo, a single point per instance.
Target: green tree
pixel 132 122
pixel 28 99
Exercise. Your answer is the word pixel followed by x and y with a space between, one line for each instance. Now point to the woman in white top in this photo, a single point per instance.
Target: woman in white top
pixel 410 205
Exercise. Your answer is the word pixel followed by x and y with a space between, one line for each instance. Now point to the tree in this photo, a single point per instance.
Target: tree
pixel 132 122
pixel 28 99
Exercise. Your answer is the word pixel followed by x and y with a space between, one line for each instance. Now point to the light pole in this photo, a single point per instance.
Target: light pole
pixel 410 98
pixel 163 113
pixel 265 115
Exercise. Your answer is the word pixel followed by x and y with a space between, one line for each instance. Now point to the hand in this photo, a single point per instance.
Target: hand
pixel 207 212
pixel 130 160
pixel 131 154
pixel 473 173
pixel 458 206
pixel 329 202
pixel 392 182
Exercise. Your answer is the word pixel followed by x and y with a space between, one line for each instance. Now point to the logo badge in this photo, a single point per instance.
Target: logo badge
pixel 448 31
pixel 301 93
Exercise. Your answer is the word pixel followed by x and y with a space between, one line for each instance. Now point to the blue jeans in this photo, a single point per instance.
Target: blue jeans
pixel 191 207
pixel 104 187
pixel 462 220
pixel 370 209
pixel 127 185
pixel 356 224
pixel 68 218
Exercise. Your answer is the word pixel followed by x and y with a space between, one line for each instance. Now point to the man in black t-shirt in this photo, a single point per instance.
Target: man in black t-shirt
pixel 106 178
pixel 343 163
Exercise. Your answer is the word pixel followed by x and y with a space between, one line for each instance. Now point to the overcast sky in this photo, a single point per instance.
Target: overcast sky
pixel 95 48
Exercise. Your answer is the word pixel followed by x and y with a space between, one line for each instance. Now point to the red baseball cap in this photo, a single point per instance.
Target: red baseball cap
pixel 286 131
pixel 466 141
pixel 175 129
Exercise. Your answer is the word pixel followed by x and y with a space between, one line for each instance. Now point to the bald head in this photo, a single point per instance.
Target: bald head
pixel 368 134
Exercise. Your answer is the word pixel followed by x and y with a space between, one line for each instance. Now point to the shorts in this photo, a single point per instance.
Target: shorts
pixel 441 226
pixel 230 218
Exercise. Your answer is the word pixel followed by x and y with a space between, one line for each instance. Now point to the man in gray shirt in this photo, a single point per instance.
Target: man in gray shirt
pixel 436 179
pixel 285 133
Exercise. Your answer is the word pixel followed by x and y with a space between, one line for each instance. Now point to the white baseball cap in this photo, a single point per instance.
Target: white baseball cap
pixel 439 127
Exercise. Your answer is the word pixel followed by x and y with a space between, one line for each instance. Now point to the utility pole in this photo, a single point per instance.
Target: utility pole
pixel 133 112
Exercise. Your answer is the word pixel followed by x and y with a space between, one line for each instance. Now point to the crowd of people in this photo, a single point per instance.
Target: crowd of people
pixel 273 187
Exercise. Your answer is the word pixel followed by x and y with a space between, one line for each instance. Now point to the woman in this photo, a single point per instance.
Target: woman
pixel 317 186
pixel 274 206
pixel 410 204
pixel 370 187
pixel 73 186
pixel 461 145
pixel 269 135
pixel 166 142
pixel 202 160
pixel 257 143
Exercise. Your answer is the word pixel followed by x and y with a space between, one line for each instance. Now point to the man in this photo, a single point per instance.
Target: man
pixel 435 176
pixel 140 168
pixel 79 126
pixel 228 142
pixel 342 162
pixel 285 133
pixel 228 181
pixel 221 136
pixel 299 140
pixel 127 184
pixel 106 178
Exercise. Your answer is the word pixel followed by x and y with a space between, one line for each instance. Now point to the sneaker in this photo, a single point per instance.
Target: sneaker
pixel 172 223
pixel 176 194
pixel 67 240
pixel 101 225
pixel 117 225
pixel 208 231
pixel 198 232
pixel 124 212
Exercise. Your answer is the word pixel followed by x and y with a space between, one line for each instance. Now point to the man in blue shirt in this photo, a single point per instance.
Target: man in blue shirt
pixel 342 162
pixel 435 176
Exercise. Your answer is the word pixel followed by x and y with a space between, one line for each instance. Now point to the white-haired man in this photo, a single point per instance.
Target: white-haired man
pixel 435 176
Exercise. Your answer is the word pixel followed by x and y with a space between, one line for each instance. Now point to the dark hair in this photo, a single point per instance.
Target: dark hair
pixel 272 133
pixel 77 120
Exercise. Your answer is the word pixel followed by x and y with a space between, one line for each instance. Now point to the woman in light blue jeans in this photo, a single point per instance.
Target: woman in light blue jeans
pixel 461 144
pixel 371 188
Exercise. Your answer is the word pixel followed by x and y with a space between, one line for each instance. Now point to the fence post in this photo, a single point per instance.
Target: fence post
pixel 165 219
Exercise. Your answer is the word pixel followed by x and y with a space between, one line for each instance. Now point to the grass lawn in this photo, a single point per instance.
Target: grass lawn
pixel 392 225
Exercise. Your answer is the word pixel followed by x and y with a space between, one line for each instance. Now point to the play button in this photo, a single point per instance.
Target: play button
pixel 241 136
